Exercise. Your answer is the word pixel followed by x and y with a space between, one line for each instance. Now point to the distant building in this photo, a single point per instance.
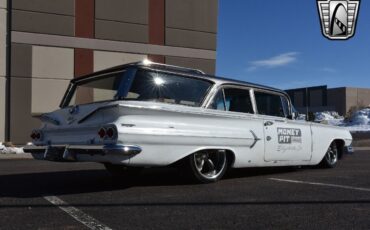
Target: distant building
pixel 46 43
pixel 320 98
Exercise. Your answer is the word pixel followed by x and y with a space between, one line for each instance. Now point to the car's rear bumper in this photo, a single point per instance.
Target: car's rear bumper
pixel 74 152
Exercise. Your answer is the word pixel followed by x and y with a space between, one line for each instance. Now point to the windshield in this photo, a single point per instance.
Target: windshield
pixel 140 85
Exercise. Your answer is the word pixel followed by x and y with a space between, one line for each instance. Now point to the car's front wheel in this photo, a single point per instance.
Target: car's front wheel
pixel 331 157
pixel 122 171
pixel 208 166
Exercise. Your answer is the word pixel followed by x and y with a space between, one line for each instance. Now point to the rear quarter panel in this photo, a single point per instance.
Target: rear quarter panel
pixel 168 136
pixel 323 136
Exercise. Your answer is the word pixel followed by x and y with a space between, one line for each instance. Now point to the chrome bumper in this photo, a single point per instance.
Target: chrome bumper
pixel 70 152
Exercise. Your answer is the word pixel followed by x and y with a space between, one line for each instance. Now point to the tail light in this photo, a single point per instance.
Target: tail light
pixel 36 135
pixel 102 133
pixel 108 133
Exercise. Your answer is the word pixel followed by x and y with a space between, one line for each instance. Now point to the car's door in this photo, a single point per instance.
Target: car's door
pixel 238 105
pixel 285 139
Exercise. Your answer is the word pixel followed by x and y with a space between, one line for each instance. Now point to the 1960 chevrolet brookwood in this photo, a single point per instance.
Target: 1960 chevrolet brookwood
pixel 147 114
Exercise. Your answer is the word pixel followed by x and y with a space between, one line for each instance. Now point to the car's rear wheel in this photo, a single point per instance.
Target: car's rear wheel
pixel 331 157
pixel 208 166
pixel 122 171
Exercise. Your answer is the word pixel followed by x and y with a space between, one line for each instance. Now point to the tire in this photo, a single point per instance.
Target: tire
pixel 122 171
pixel 207 166
pixel 331 157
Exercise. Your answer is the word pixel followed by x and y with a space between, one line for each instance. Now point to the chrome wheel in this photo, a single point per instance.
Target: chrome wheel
pixel 210 165
pixel 332 155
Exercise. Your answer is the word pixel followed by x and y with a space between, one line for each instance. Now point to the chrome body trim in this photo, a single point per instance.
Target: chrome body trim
pixel 256 139
pixel 70 152
pixel 171 67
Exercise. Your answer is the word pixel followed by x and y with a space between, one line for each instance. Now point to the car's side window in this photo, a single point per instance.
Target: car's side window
pixel 238 100
pixel 271 104
pixel 233 99
pixel 218 102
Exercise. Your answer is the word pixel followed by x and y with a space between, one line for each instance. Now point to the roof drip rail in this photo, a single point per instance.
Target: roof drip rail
pixel 171 67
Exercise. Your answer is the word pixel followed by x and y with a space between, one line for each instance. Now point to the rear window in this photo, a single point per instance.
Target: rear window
pixel 140 85
pixel 101 89
pixel 168 88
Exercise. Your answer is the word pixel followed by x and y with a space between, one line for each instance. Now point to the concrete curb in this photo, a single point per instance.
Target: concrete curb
pixel 9 156
pixel 361 148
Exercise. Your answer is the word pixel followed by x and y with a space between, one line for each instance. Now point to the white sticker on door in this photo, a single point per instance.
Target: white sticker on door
pixel 289 136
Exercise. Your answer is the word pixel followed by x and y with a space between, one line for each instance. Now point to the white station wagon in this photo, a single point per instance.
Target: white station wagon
pixel 147 114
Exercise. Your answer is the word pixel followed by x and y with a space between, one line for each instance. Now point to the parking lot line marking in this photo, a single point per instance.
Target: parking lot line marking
pixel 322 184
pixel 77 214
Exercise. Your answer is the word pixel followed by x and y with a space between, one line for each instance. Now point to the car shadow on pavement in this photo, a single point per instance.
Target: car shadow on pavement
pixel 95 180
pixel 255 172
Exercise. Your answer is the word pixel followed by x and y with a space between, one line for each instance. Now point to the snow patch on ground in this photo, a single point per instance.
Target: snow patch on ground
pixel 10 150
pixel 359 122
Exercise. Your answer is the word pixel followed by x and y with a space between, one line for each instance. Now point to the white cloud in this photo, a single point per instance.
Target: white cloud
pixel 273 62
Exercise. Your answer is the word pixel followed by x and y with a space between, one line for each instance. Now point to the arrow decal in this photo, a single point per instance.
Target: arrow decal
pixel 256 139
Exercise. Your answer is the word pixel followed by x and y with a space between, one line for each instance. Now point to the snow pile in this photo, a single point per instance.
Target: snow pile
pixel 10 149
pixel 327 116
pixel 358 122
pixel 361 117
pixel 301 117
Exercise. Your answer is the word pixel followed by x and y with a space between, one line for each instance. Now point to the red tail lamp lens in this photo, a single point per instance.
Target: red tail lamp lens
pixel 110 133
pixel 35 135
pixel 102 133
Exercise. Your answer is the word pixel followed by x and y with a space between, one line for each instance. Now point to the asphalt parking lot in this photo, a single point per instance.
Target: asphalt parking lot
pixel 47 195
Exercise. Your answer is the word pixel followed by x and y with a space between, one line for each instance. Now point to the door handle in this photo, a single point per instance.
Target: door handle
pixel 268 123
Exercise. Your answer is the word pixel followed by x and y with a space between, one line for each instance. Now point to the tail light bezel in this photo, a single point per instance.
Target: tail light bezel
pixel 36 135
pixel 110 133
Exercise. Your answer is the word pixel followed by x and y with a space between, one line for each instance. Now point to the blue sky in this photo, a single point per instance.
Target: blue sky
pixel 279 43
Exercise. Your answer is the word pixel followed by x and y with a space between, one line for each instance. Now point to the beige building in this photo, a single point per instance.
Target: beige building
pixel 320 98
pixel 52 41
